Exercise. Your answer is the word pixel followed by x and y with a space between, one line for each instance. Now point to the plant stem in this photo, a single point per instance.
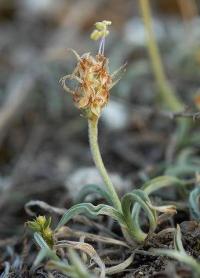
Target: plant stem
pixel 94 146
pixel 93 139
pixel 167 94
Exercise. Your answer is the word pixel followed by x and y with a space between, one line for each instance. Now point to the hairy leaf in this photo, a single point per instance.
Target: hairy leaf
pixel 143 200
pixel 160 182
pixel 120 267
pixel 152 186
pixel 92 211
pixel 86 248
pixel 45 251
pixel 194 203
pixel 178 245
pixel 77 269
pixel 93 188
pixel 186 164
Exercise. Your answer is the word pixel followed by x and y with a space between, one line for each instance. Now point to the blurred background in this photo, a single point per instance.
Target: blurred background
pixel 44 153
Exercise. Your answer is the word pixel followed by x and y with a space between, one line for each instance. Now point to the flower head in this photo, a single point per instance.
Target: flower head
pixel 101 30
pixel 94 83
pixel 93 78
pixel 42 225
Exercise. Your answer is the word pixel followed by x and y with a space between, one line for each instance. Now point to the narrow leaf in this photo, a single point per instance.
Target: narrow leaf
pixel 143 200
pixel 152 186
pixel 86 248
pixel 178 245
pixel 45 251
pixel 194 203
pixel 92 211
pixel 90 189
pixel 160 182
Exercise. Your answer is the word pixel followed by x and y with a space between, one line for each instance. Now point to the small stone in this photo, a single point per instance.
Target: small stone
pixel 119 112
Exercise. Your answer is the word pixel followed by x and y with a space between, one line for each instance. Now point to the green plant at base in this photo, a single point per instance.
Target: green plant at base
pixel 91 94
pixel 131 204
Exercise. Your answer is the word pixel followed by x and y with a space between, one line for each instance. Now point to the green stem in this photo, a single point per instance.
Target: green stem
pixel 167 94
pixel 93 138
pixel 94 146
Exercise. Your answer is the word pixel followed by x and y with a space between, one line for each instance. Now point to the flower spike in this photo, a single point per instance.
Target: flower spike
pixel 101 32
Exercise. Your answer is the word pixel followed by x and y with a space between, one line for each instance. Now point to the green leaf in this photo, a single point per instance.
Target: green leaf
pixel 86 248
pixel 120 267
pixel 184 155
pixel 187 163
pixel 5 273
pixel 143 200
pixel 34 226
pixel 47 223
pixel 78 265
pixel 93 188
pixel 183 170
pixel 91 210
pixel 152 186
pixel 45 251
pixel 62 267
pixel 77 268
pixel 178 245
pixel 160 182
pixel 194 203
pixel 40 241
pixel 194 139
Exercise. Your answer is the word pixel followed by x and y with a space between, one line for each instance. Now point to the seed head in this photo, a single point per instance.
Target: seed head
pixel 93 79
pixel 94 83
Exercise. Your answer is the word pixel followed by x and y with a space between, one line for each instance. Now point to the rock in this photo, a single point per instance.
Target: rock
pixel 43 7
pixel 117 111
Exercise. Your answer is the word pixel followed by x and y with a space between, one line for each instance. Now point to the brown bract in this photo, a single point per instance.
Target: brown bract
pixel 94 82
